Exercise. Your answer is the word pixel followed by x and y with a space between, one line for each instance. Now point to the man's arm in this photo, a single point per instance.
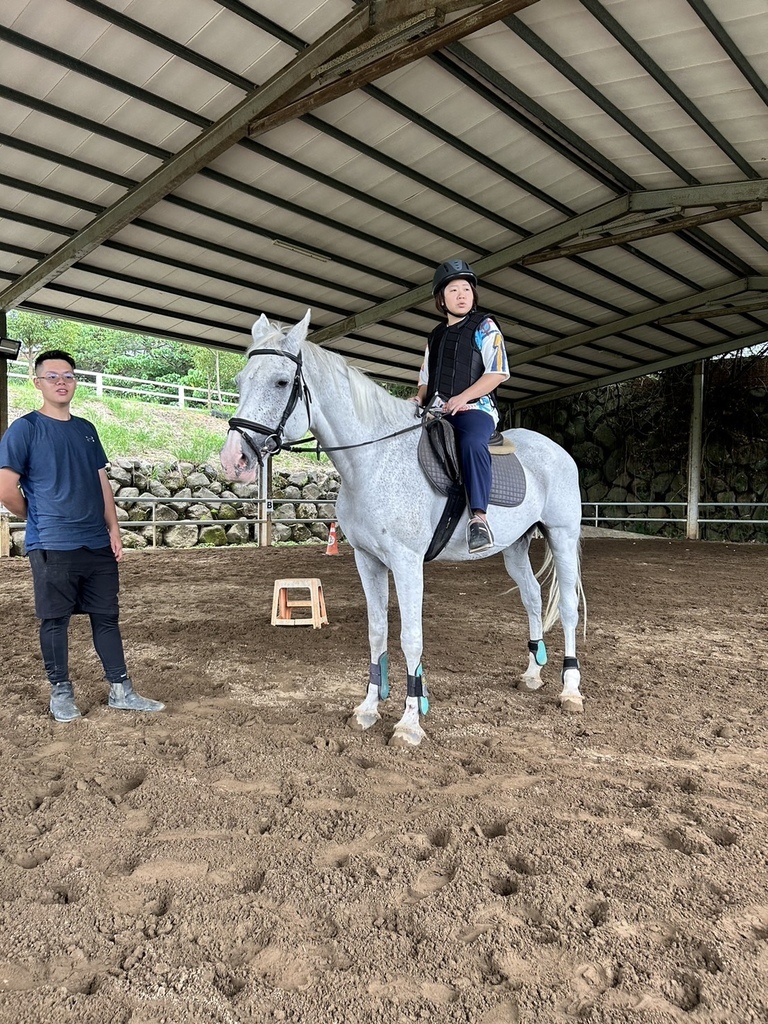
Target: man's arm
pixel 110 516
pixel 10 495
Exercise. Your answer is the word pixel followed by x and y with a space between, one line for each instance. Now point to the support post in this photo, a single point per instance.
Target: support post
pixel 5 534
pixel 265 504
pixel 694 453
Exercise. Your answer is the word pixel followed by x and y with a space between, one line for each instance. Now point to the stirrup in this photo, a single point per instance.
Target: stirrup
pixel 479 536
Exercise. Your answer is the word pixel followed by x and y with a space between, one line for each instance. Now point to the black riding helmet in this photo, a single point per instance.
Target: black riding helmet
pixel 449 271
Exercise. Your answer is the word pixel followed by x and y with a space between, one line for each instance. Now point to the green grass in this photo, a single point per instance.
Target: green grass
pixel 145 430
pixel 137 430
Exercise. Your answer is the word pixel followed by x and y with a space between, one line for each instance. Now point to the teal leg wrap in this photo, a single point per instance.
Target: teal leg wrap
pixel 378 674
pixel 417 687
pixel 538 650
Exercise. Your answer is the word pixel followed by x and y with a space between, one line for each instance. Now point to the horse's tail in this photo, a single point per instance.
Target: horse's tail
pixel 548 574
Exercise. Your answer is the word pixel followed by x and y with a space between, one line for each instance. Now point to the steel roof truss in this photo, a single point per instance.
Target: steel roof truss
pixel 648 368
pixel 647 316
pixel 284 85
pixel 724 212
pixel 489 12
pixel 659 199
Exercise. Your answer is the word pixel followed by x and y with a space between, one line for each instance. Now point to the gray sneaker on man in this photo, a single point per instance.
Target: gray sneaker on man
pixel 62 705
pixel 123 697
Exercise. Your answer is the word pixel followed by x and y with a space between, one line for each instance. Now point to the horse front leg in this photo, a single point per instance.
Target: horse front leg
pixel 374 577
pixel 409 583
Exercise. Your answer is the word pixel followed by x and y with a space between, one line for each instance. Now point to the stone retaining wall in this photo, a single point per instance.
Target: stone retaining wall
pixel 181 505
pixel 630 443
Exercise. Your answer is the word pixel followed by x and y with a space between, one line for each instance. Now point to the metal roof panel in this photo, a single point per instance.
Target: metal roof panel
pixel 496 147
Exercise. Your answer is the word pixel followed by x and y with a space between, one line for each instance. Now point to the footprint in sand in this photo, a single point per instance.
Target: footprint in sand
pixel 592 978
pixel 505 1013
pixel 30 858
pixel 15 977
pixel 116 789
pixel 428 883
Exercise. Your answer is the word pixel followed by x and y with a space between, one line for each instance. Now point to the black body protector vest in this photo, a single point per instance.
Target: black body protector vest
pixel 455 362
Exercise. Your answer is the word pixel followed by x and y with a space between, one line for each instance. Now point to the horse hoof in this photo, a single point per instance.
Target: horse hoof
pixel 572 705
pixel 405 741
pixel 529 684
pixel 359 723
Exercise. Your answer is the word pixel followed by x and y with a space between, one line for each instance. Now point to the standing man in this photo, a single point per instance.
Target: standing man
pixel 72 538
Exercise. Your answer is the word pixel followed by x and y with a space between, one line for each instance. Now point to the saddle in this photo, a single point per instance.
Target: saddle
pixel 439 459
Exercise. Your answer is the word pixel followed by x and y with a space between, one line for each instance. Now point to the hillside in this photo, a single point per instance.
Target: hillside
pixel 144 430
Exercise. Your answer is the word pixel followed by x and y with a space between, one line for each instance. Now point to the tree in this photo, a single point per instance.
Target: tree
pixel 38 332
pixel 214 370
pixel 105 350
pixel 94 346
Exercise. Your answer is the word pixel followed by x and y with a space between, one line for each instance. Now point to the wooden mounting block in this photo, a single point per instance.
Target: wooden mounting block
pixel 283 604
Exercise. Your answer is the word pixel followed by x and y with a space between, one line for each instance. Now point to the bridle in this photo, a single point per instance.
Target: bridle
pixel 273 442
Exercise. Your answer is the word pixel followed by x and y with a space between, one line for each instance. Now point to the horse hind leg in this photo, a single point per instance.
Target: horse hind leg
pixel 409 582
pixel 565 546
pixel 518 565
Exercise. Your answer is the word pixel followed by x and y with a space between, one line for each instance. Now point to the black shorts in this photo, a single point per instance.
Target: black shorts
pixel 76 582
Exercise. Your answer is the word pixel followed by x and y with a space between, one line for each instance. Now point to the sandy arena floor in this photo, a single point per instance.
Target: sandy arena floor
pixel 244 857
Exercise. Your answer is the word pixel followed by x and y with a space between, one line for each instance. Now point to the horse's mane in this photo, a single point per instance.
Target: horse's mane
pixel 373 405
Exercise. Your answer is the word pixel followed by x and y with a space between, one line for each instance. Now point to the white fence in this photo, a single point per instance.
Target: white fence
pixel 257 512
pixel 182 396
pixel 621 515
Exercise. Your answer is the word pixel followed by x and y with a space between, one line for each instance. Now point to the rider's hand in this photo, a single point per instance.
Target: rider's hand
pixel 456 403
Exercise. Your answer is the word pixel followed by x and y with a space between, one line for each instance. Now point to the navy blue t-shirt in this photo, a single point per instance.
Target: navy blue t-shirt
pixel 58 463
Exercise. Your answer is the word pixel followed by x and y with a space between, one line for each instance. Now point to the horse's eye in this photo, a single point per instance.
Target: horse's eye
pixel 283 383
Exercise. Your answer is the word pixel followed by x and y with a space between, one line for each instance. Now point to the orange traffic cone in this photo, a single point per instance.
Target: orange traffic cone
pixel 333 544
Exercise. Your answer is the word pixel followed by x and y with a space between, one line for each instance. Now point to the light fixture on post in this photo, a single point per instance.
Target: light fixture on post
pixel 9 349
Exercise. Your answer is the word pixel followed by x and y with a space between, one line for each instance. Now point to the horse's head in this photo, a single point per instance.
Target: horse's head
pixel 274 401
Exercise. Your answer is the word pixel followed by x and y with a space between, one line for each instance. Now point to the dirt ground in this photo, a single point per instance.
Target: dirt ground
pixel 245 857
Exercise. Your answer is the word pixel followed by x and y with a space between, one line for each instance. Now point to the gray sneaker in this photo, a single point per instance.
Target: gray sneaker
pixel 123 697
pixel 62 705
pixel 479 536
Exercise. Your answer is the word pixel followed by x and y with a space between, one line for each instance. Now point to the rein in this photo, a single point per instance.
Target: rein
pixel 292 446
pixel 274 439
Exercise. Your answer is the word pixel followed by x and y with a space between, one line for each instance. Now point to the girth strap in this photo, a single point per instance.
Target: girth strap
pixel 455 505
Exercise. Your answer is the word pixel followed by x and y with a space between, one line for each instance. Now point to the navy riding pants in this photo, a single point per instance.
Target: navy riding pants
pixel 473 431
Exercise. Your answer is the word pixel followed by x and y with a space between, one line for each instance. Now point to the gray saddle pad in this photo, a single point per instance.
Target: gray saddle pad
pixel 437 456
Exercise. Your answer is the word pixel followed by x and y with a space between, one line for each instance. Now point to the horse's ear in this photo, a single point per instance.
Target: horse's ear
pixel 298 333
pixel 261 328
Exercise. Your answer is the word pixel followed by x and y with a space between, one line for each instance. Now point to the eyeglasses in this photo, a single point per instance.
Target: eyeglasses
pixel 68 378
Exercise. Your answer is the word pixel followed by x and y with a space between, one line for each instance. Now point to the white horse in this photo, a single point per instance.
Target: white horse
pixel 388 510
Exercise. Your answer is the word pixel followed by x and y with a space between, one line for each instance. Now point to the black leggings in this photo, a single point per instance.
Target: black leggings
pixel 54 643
